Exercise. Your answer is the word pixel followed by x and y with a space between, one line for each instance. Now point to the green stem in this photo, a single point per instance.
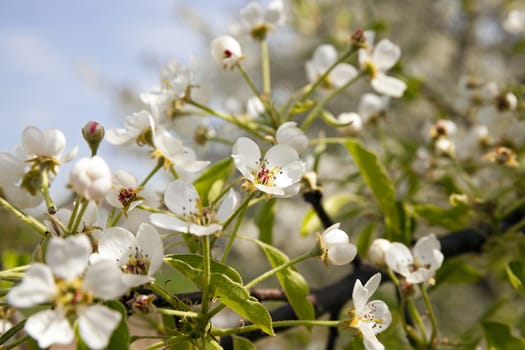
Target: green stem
pixel 161 292
pixel 417 318
pixel 276 324
pixel 249 82
pixel 431 315
pixel 206 275
pixel 44 189
pixel 313 114
pixel 74 213
pixel 157 167
pixel 240 211
pixel 41 229
pixel 182 314
pixel 276 269
pixel 79 216
pixel 265 58
pixel 323 77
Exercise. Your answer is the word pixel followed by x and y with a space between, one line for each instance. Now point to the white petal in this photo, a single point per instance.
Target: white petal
pixel 49 327
pixel 424 249
pixel 122 178
pixel 228 205
pixel 54 143
pixel 381 315
pixel 369 339
pixel 385 55
pixel 398 258
pixel 281 156
pixel 68 257
pixel 12 169
pixel 252 14
pixel 274 190
pixel 420 275
pixel 32 140
pixel 335 236
pixel 96 323
pixel 342 254
pixel 275 13
pixel 359 297
pixel 104 279
pixel 372 284
pixel 341 74
pixel 371 104
pixel 245 154
pixel 168 222
pixel 69 155
pixel 181 198
pixel 288 133
pixel 294 171
pixel 149 241
pixel 38 286
pixel 115 242
pixel 21 198
pixel 388 85
pixel 118 136
pixel 226 50
pixel 200 230
pixel 324 56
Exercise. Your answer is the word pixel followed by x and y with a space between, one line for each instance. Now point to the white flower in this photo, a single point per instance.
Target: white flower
pixel 417 266
pixel 63 283
pixel 137 126
pixel 371 106
pixel 514 22
pixel 124 192
pixel 175 153
pixel 377 252
pixel 351 122
pixel 277 173
pixel 258 21
pixel 226 50
pixel 91 178
pixel 254 107
pixel 137 257
pixel 378 61
pixel 339 250
pixel 371 317
pixel 192 217
pixel 289 134
pixel 323 58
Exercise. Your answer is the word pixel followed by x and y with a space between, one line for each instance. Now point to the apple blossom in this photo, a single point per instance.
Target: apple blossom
pixel 323 58
pixel 138 127
pixel 192 217
pixel 71 289
pixel 226 50
pixel 371 317
pixel 417 266
pixel 138 257
pixel 124 192
pixel 277 173
pixel 339 250
pixel 91 178
pixel 378 60
pixel 377 252
pixel 258 21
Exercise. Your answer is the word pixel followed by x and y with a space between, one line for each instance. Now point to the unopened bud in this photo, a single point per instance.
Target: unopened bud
pixel 377 251
pixel 93 133
pixel 358 38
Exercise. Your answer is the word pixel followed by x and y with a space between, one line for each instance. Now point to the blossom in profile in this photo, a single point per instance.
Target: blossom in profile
pixel 138 127
pixel 288 133
pixel 72 288
pixel 138 257
pixel 226 51
pixel 323 58
pixel 377 252
pixel 377 61
pixel 278 173
pixel 338 249
pixel 90 178
pixel 191 216
pixel 370 318
pixel 124 192
pixel 258 21
pixel 420 264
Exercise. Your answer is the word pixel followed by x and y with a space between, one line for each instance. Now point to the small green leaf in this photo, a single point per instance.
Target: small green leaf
pixel 499 337
pixel 295 286
pixel 265 219
pixel 516 273
pixel 218 172
pixel 191 266
pixel 376 178
pixel 240 343
pixel 301 107
pixel 238 298
pixel 452 218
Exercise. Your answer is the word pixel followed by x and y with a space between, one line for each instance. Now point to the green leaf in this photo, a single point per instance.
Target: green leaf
pixel 295 286
pixel 451 218
pixel 218 172
pixel 11 332
pixel 240 343
pixel 238 298
pixel 499 337
pixel 264 221
pixel 365 238
pixel 376 178
pixel 191 266
pixel 120 337
pixel 516 273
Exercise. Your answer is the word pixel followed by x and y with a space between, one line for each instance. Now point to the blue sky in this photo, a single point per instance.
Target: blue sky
pixel 58 58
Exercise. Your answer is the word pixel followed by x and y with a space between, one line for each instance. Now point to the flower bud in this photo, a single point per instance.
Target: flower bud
pixel 338 249
pixel 91 178
pixel 226 50
pixel 93 133
pixel 377 251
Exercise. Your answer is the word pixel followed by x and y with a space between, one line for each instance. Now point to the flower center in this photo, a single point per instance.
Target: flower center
pixel 70 295
pixel 263 175
pixel 126 196
pixel 138 263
